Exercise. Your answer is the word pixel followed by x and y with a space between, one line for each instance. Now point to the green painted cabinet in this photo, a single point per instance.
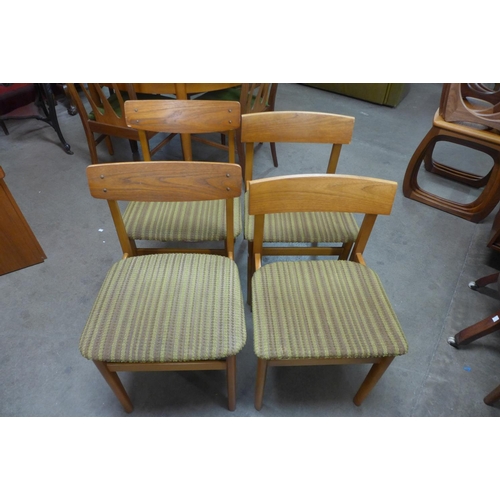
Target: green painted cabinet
pixel 387 94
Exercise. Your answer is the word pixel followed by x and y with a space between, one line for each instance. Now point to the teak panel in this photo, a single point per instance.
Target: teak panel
pixel 164 181
pixel 284 126
pixel 322 193
pixel 19 247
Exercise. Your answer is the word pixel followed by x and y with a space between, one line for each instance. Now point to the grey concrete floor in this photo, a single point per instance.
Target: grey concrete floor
pixel 424 257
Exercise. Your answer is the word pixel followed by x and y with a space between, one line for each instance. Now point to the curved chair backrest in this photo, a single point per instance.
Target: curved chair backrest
pixel 184 117
pixel 258 97
pixel 296 127
pixel 321 193
pixel 106 109
pixel 165 181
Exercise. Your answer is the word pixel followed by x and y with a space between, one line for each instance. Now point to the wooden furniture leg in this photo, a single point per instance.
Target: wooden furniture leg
pixel 231 382
pixel 19 247
pixel 116 386
pixel 374 375
pixel 261 381
pixel 481 328
pixel 493 396
pixel 476 331
pixel 494 237
pixel 485 202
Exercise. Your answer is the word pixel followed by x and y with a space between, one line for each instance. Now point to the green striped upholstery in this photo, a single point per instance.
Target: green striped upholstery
pixel 167 308
pixel 304 227
pixel 323 309
pixel 180 221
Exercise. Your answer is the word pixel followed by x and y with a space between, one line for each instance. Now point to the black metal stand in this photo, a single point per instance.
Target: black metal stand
pixel 45 102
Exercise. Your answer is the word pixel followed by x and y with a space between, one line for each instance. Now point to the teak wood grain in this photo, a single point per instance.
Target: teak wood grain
pixel 285 126
pixel 322 193
pixel 19 247
pixel 182 117
pixel 164 181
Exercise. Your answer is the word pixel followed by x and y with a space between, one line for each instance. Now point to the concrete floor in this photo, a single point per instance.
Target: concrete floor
pixel 424 257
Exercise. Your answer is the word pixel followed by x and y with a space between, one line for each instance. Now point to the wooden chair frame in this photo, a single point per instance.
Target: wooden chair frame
pixel 254 98
pixel 295 127
pixel 107 122
pixel 165 181
pixel 448 127
pixel 182 117
pixel 316 193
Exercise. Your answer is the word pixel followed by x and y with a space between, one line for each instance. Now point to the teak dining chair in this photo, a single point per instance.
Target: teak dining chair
pixel 322 312
pixel 104 115
pixel 338 230
pixel 253 98
pixel 175 222
pixel 472 123
pixel 166 312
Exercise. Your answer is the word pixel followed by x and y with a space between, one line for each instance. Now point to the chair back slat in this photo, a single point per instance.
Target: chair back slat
pixel 181 116
pixel 164 181
pixel 102 110
pixel 258 97
pixel 321 193
pixel 297 126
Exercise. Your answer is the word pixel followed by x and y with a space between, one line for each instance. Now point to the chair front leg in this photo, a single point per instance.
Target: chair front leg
pixel 376 371
pixel 116 385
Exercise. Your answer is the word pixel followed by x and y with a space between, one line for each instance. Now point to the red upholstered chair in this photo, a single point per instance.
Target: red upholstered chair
pixel 13 97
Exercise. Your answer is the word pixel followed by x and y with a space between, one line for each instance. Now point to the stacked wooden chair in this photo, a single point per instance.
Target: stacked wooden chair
pixel 468 115
pixel 253 98
pixel 101 110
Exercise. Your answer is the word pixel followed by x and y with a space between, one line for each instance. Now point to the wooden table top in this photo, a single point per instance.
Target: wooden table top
pixel 181 90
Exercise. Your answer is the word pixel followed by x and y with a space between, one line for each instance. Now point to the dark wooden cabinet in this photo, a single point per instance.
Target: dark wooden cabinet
pixel 19 247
